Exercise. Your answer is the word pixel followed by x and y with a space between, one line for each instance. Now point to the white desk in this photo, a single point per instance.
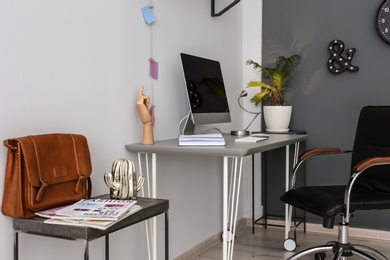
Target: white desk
pixel 233 154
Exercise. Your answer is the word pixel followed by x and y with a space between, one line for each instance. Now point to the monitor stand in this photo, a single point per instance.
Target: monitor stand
pixel 189 126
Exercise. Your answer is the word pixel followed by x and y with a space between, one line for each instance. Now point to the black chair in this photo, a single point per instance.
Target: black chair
pixel 368 187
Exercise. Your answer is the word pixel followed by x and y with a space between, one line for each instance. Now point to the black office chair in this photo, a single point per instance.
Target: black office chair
pixel 367 189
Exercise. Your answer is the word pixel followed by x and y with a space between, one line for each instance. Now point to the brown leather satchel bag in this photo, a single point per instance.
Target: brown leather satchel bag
pixel 45 171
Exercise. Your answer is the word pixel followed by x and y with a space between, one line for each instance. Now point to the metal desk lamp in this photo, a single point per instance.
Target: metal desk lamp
pixel 245 131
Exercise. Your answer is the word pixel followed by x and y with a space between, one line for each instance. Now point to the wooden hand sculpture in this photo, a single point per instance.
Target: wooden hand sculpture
pixel 145 116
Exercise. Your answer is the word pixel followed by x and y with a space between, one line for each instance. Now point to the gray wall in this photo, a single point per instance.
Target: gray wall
pixel 327 105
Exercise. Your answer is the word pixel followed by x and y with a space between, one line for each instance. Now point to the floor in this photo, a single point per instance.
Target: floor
pixel 268 244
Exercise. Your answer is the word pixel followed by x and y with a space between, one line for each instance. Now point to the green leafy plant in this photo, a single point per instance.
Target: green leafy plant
pixel 278 76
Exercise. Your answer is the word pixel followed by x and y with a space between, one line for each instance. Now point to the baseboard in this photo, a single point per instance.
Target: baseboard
pixel 310 227
pixel 207 244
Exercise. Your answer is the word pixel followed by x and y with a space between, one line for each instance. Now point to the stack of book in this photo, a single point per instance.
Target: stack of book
pixel 94 213
pixel 202 140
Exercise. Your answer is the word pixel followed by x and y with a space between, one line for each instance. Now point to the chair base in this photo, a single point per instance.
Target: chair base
pixel 342 251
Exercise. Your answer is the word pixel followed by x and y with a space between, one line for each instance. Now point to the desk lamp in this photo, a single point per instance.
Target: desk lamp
pixel 245 131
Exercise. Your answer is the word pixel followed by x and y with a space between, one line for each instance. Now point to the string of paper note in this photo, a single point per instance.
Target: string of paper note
pixel 147 12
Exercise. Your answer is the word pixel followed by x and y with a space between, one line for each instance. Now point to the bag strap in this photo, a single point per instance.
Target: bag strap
pixel 80 181
pixel 8 143
pixel 89 187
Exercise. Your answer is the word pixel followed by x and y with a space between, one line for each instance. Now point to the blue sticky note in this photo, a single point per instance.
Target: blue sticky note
pixel 148 14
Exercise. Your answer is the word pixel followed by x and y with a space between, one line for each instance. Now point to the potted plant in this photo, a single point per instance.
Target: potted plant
pixel 273 91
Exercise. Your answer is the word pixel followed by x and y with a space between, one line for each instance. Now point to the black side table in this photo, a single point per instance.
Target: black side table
pixel 264 186
pixel 36 226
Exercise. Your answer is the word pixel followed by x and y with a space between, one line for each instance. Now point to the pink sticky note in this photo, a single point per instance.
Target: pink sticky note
pixel 153 68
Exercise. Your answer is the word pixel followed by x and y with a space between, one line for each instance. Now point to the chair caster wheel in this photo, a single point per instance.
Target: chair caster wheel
pixel 289 244
pixel 319 256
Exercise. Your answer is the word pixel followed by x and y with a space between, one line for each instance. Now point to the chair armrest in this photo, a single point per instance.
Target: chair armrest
pixel 320 151
pixel 363 165
pixel 357 170
pixel 314 152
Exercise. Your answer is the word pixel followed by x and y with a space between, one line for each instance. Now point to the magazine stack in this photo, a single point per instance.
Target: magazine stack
pixel 94 213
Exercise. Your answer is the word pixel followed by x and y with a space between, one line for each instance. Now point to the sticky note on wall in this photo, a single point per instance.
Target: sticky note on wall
pixel 148 14
pixel 153 68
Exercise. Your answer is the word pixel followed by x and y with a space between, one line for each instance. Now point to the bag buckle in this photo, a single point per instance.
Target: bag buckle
pixel 40 192
pixel 79 183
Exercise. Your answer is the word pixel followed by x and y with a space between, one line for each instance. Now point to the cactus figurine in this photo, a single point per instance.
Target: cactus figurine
pixel 122 180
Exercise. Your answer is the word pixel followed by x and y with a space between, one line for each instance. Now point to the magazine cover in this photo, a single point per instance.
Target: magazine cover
pixel 96 223
pixel 48 213
pixel 101 209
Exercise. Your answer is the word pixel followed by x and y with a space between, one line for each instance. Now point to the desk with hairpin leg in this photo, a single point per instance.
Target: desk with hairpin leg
pixel 233 154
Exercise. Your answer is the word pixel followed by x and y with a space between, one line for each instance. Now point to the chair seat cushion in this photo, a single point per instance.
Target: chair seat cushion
pixel 328 201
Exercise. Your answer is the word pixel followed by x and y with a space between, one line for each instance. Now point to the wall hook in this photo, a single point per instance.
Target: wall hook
pixel 213 14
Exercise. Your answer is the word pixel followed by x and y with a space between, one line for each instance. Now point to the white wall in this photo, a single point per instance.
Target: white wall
pixel 252 42
pixel 76 66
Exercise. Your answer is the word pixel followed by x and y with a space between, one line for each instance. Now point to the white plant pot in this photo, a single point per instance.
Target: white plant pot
pixel 277 118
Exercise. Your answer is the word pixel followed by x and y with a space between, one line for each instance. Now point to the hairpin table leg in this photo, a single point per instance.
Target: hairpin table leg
pixel 151 188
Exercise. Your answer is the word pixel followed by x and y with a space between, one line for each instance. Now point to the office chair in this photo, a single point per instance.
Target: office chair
pixel 368 187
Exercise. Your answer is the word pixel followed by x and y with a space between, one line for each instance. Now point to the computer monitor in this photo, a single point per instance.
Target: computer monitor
pixel 205 91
